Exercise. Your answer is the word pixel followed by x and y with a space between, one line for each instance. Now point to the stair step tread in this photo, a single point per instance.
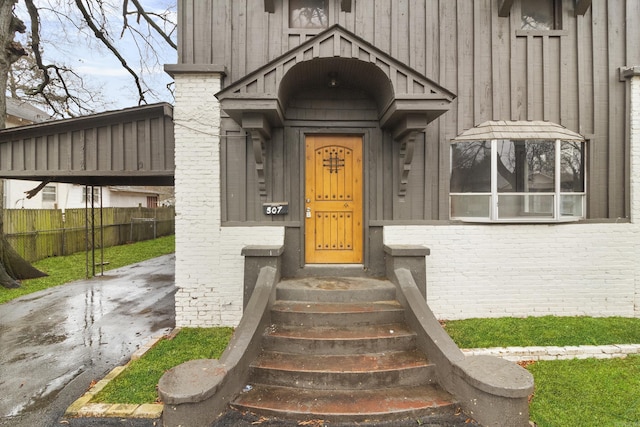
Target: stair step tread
pixel 352 363
pixel 365 404
pixel 336 289
pixel 308 307
pixel 341 333
pixel 336 283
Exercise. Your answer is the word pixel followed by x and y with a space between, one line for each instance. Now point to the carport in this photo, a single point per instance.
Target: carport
pixel 133 146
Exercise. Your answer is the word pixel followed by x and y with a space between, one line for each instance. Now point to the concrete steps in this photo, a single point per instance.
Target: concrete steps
pixel 339 349
pixel 381 404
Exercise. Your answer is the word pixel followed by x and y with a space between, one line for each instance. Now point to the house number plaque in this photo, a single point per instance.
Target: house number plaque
pixel 279 208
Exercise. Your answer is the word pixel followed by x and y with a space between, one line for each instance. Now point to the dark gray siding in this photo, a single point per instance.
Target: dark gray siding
pixel 569 76
pixel 130 146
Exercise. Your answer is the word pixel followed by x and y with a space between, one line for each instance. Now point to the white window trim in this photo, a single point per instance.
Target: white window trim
pixel 494 195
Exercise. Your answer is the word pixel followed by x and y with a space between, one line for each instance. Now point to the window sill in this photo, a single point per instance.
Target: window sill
pixel 524 221
pixel 304 31
pixel 541 33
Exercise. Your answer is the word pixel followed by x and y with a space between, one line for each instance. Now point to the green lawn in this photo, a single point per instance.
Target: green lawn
pixel 543 331
pixel 586 393
pixel 137 384
pixel 568 393
pixel 65 269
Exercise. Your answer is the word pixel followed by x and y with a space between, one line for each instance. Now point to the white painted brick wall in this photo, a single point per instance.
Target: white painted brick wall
pixel 521 270
pixel 209 267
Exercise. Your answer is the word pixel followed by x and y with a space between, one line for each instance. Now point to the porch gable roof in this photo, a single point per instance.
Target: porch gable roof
pixel 398 89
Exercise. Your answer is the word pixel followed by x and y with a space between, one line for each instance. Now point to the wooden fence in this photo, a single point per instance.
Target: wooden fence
pixel 40 233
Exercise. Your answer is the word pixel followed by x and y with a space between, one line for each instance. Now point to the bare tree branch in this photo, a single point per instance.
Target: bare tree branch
pixel 31 193
pixel 100 35
pixel 141 12
pixel 52 101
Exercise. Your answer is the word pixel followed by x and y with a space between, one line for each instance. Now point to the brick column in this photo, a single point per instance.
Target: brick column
pixel 197 192
pixel 633 74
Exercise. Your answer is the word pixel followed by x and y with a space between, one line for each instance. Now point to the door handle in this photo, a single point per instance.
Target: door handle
pixel 308 212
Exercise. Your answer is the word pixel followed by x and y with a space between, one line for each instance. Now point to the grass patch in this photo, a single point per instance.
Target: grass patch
pixel 137 384
pixel 586 393
pixel 543 331
pixel 68 268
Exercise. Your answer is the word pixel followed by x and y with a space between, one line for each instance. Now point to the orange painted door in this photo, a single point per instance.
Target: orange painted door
pixel 333 200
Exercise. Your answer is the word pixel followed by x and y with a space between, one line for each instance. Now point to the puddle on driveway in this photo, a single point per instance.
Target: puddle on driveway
pixel 49 340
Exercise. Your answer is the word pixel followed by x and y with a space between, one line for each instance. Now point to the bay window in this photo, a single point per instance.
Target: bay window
pixel 525 180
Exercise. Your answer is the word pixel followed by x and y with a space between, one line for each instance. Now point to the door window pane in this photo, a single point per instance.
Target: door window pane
pixel 308 13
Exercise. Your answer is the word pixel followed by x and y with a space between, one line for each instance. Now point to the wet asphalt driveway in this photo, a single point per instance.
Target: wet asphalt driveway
pixel 54 343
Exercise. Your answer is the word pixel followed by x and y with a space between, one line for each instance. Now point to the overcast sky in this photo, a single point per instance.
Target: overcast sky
pixel 64 42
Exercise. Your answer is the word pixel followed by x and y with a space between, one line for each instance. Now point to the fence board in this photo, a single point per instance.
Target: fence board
pixel 40 233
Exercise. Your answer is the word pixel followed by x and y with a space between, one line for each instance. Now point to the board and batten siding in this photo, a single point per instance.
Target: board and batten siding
pixel 112 148
pixel 498 72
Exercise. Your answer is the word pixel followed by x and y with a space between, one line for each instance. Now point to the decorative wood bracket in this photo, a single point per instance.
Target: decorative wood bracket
pixel 259 130
pixel 407 147
pixel 259 152
pixel 406 132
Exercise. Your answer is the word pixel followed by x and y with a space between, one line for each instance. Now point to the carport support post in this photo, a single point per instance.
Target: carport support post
pixel 411 257
pixel 256 257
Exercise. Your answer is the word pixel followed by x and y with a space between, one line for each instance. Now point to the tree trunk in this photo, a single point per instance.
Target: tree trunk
pixel 12 266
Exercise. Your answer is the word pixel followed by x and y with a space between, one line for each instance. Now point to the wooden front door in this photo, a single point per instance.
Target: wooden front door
pixel 333 199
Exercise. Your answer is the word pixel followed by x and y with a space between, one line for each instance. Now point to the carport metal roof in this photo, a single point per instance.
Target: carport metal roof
pixel 133 146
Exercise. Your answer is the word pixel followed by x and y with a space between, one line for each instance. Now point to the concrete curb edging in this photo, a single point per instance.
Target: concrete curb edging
pixel 521 354
pixel 82 407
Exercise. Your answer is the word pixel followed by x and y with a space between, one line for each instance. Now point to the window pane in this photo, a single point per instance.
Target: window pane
pixel 572 166
pixel 526 166
pixel 471 167
pixel 512 206
pixel 538 15
pixel 572 205
pixel 470 206
pixel 308 13
pixel 96 195
pixel 49 193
